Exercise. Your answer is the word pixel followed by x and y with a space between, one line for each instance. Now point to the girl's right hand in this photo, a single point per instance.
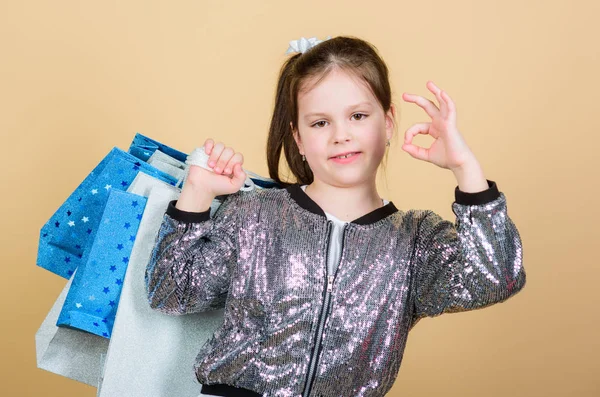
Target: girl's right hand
pixel 227 176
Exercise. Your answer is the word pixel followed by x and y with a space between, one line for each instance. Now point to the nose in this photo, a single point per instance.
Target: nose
pixel 340 134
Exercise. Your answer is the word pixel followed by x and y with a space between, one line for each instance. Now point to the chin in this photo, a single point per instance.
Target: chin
pixel 349 181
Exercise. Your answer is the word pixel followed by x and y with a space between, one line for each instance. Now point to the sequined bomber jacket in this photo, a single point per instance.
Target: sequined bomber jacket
pixel 291 329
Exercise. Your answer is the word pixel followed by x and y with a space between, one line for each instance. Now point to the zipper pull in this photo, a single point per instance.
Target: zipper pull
pixel 329 283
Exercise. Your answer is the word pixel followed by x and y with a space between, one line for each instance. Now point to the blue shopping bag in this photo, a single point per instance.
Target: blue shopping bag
pixel 143 147
pixel 92 301
pixel 64 236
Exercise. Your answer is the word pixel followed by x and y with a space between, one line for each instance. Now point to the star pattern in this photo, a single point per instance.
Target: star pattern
pixel 93 248
pixel 107 263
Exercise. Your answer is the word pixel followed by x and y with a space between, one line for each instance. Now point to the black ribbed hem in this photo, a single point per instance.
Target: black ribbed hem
pixel 186 216
pixel 478 198
pixel 220 389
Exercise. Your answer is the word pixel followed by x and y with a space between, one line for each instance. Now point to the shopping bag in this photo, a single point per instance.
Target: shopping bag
pixel 65 235
pixel 72 353
pixel 92 300
pixel 200 158
pixel 176 163
pixel 143 147
pixel 168 164
pixel 152 354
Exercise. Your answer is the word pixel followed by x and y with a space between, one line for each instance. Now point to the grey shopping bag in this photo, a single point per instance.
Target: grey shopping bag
pixel 152 354
pixel 72 353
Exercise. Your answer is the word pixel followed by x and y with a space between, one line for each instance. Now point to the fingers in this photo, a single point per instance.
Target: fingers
pixel 208 145
pixel 437 92
pixel 222 158
pixel 430 108
pixel 419 128
pixel 451 107
pixel 215 153
pixel 417 152
pixel 226 154
pixel 446 105
pixel 237 158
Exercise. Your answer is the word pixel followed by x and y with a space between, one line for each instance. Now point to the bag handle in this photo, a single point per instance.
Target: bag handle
pixel 200 158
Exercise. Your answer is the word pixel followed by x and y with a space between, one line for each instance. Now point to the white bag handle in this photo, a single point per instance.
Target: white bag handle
pixel 200 158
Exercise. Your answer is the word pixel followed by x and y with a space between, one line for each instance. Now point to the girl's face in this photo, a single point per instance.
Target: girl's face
pixel 338 116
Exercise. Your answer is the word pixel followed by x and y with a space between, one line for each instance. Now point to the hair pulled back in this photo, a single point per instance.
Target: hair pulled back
pixel 350 54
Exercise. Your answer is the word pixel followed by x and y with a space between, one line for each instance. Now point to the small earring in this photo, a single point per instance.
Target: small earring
pixel 388 143
pixel 303 158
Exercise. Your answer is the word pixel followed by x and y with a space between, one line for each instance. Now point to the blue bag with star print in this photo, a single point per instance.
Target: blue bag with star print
pixel 91 303
pixel 64 237
pixel 144 147
pixel 173 161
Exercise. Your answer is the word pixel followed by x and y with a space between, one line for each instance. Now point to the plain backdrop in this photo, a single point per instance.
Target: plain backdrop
pixel 80 77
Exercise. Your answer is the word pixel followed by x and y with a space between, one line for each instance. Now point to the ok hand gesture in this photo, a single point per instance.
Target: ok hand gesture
pixel 449 150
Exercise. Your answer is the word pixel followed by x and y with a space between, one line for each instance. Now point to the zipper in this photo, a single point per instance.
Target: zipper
pixel 317 347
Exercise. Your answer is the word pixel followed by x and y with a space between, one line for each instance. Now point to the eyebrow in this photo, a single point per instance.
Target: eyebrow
pixel 310 115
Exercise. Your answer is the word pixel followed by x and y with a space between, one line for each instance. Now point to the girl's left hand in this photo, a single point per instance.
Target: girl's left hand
pixel 449 150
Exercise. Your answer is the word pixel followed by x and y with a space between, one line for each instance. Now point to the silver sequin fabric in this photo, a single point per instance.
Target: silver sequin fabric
pixel 292 329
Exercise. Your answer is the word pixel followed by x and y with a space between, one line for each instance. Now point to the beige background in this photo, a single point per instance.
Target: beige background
pixel 79 77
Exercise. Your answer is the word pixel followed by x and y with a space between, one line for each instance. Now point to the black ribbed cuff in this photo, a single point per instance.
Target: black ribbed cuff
pixel 478 198
pixel 186 216
pixel 221 389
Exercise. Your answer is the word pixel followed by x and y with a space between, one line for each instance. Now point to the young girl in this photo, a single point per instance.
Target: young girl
pixel 322 279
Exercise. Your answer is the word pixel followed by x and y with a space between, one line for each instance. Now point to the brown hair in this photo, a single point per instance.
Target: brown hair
pixel 348 53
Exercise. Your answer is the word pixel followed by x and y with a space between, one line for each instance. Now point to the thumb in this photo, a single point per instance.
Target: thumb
pixel 239 176
pixel 415 151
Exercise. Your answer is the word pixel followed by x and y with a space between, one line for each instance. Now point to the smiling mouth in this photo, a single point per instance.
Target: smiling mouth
pixel 346 155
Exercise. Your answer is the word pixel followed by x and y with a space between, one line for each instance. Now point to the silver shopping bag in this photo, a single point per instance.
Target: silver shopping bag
pixel 150 353
pixel 168 164
pixel 72 353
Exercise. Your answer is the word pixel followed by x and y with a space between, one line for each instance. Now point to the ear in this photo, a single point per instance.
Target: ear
pixel 389 122
pixel 296 135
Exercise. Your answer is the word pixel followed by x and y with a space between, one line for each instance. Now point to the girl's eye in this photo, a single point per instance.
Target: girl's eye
pixel 319 125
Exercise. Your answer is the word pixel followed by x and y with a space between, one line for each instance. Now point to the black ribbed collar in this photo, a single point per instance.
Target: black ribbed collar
pixel 304 201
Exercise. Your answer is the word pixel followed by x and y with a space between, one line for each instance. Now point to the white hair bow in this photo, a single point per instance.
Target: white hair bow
pixel 303 44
